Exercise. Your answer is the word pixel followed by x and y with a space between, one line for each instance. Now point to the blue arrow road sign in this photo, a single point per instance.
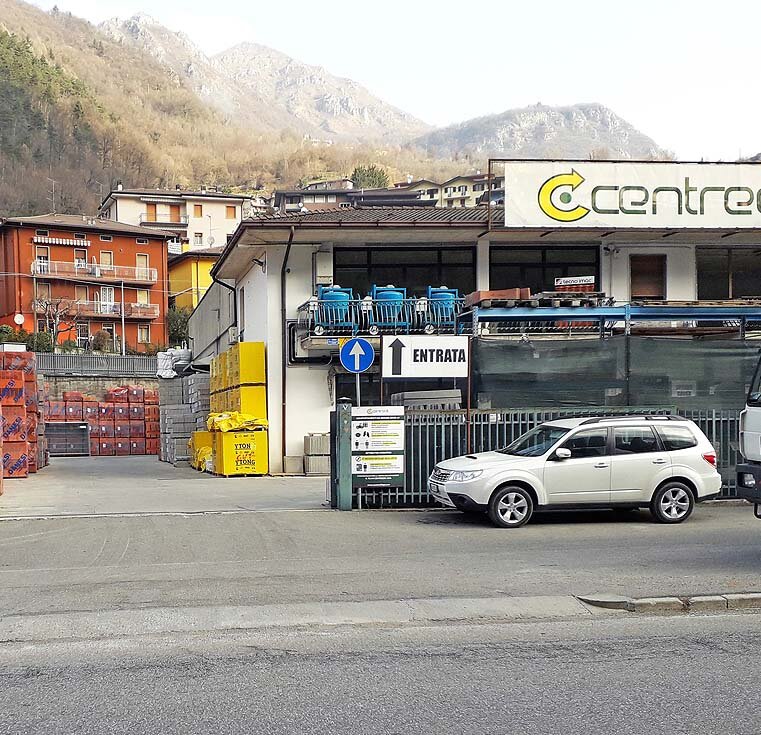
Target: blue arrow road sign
pixel 357 355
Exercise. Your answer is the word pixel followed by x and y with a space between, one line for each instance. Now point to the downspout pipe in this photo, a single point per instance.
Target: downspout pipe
pixel 235 305
pixel 284 341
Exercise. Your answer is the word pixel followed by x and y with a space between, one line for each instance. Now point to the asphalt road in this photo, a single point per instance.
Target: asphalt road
pixel 285 557
pixel 687 674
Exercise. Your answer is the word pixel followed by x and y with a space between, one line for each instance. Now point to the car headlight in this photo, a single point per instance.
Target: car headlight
pixel 466 475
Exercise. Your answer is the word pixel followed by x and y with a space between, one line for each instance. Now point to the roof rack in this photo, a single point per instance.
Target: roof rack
pixel 648 417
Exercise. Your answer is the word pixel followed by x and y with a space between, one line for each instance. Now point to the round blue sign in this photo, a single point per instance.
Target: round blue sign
pixel 357 355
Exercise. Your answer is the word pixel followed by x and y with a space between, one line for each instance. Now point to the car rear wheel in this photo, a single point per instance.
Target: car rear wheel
pixel 511 507
pixel 673 502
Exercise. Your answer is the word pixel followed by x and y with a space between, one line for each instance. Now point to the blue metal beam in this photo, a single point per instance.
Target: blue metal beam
pixel 617 313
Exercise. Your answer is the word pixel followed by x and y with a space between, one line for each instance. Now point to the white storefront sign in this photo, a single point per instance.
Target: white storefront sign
pixel 557 194
pixel 575 281
pixel 423 356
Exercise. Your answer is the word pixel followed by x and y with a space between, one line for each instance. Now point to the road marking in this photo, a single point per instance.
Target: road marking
pixel 149 513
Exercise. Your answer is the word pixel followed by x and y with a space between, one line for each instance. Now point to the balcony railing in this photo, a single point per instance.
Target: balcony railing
pixel 165 220
pixel 100 309
pixel 141 311
pixel 81 270
pixel 325 318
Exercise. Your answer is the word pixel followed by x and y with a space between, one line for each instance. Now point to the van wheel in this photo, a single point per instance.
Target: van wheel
pixel 510 507
pixel 673 502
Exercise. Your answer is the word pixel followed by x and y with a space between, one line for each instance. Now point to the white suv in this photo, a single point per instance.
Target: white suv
pixel 664 463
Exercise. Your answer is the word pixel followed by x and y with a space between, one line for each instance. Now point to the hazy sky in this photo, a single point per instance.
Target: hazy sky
pixel 683 72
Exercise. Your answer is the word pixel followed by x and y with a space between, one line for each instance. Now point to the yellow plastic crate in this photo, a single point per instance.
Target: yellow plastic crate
pixel 240 453
pixel 250 399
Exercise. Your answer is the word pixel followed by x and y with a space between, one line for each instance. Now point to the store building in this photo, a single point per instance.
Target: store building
pixel 280 265
pixel 86 274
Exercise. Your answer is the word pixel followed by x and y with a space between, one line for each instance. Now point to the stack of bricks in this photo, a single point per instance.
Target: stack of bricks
pixel 22 433
pixel 125 422
pixel 183 410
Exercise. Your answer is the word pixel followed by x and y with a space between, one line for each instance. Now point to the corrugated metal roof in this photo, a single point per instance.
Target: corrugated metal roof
pixel 339 217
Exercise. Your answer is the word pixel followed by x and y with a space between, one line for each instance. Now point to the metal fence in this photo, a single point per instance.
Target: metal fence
pixel 433 436
pixel 139 366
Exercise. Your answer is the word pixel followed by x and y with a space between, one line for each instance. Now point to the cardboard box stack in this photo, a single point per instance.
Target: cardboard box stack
pixel 124 422
pixel 184 406
pixel 22 432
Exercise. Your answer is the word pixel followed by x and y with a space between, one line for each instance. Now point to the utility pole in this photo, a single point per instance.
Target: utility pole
pixel 124 336
pixel 52 194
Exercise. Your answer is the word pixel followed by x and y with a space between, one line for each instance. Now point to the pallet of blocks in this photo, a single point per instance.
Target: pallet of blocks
pixel 22 434
pixel 183 407
pixel 123 421
pixel 238 385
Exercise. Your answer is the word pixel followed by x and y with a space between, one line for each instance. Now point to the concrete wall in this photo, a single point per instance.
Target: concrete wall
pixel 93 386
pixel 209 324
pixel 681 272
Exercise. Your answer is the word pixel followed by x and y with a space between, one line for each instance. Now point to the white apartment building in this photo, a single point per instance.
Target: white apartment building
pixel 200 219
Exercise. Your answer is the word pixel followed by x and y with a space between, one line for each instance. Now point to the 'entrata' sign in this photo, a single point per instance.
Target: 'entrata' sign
pixel 622 195
pixel 424 356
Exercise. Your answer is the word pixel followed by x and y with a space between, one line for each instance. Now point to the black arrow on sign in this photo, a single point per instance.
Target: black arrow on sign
pixel 396 356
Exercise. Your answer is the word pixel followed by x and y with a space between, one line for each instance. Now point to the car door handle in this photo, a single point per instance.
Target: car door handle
pixel 601 465
pixel 660 461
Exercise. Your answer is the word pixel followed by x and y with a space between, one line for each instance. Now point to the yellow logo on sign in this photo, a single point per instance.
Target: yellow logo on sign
pixel 547 190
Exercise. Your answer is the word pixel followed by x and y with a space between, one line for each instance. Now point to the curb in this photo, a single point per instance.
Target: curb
pixel 153 621
pixel 696 603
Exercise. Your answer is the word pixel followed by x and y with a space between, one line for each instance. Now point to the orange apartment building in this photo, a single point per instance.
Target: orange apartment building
pixel 83 265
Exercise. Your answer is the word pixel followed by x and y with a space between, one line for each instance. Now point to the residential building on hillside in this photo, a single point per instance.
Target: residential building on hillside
pixel 79 275
pixel 310 200
pixel 190 275
pixel 198 219
pixel 459 191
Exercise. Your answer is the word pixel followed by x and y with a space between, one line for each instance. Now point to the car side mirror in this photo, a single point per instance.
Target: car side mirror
pixel 563 453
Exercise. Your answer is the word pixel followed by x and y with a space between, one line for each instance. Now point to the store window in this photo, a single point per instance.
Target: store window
pixel 725 273
pixel 412 268
pixel 538 267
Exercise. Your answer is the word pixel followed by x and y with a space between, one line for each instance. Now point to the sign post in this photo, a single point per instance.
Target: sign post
pixel 377 448
pixel 357 355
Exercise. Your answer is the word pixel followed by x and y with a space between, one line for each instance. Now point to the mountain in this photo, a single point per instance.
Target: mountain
pixel 258 86
pixel 540 131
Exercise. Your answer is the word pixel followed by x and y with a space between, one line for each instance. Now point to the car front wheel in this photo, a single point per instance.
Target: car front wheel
pixel 511 507
pixel 672 503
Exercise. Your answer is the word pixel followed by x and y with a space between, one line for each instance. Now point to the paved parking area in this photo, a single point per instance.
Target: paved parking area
pixel 84 486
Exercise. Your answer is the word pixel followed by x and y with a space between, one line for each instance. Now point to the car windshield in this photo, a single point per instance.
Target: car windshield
pixel 536 442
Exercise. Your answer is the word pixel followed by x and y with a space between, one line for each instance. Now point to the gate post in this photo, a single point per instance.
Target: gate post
pixel 341 430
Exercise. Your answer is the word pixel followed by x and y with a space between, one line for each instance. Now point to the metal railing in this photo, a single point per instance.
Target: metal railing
pixel 141 311
pixel 162 219
pixel 80 270
pixel 108 365
pixel 325 318
pixel 433 436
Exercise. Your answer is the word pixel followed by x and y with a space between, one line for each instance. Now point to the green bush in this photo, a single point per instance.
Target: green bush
pixel 102 342
pixel 68 346
pixel 40 342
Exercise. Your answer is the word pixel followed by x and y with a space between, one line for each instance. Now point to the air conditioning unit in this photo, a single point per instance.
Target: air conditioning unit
pixel 232 335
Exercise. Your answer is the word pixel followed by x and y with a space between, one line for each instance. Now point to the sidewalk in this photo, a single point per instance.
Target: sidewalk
pixel 87 486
